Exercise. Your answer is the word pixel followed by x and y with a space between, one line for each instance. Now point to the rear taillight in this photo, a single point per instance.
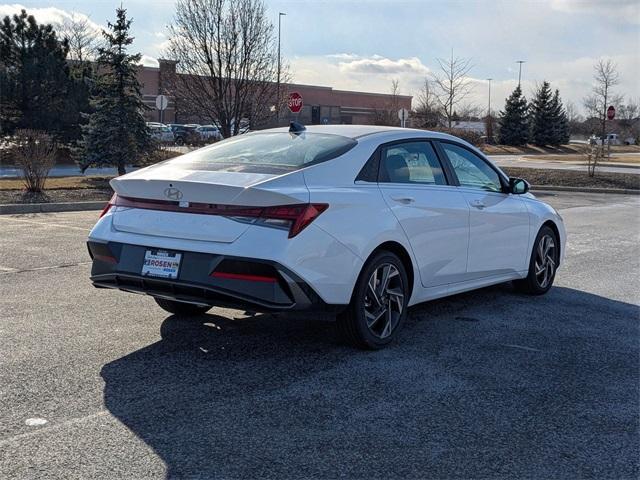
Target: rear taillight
pixel 298 216
pixel 108 206
pixel 294 218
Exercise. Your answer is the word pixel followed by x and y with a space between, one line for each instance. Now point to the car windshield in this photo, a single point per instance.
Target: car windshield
pixel 266 153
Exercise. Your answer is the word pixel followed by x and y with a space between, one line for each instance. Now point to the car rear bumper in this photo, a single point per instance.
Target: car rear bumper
pixel 119 266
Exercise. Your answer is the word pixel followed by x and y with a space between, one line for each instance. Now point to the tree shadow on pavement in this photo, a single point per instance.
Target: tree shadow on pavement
pixel 483 384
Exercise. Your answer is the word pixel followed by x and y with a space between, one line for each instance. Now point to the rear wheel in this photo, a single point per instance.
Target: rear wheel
pixel 542 265
pixel 181 308
pixel 378 307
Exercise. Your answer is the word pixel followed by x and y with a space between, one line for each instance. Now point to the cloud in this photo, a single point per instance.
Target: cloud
pixel 616 10
pixel 52 15
pixel 381 65
pixel 149 61
pixel 347 71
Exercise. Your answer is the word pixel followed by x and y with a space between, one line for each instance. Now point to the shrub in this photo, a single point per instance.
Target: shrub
pixel 34 153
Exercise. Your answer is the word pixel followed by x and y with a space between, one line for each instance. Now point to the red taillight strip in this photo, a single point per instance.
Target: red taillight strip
pixel 242 276
pixel 300 215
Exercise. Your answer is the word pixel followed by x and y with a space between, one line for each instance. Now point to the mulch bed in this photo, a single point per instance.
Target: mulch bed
pixel 55 196
pixel 570 178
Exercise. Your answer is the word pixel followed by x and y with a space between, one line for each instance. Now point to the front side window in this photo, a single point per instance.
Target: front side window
pixel 411 162
pixel 471 170
pixel 273 153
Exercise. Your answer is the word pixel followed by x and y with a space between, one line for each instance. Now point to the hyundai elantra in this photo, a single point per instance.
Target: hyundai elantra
pixel 362 221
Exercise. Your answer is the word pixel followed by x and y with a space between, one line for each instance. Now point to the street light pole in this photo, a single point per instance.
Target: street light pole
pixel 280 15
pixel 489 125
pixel 489 80
pixel 520 70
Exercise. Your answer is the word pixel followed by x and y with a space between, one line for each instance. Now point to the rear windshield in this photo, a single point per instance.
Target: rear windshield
pixel 274 153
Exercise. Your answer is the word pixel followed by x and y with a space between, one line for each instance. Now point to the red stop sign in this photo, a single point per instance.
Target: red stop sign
pixel 295 102
pixel 611 112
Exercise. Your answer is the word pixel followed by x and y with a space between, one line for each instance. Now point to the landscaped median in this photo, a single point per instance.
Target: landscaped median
pixel 90 193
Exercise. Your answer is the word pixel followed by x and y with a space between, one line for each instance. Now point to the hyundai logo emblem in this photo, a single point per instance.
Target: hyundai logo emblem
pixel 173 193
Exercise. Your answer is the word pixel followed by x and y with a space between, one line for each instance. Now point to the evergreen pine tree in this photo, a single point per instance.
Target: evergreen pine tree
pixel 560 121
pixel 542 113
pixel 34 76
pixel 514 128
pixel 116 133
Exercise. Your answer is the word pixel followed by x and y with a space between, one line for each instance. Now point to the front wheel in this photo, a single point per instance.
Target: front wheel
pixel 378 307
pixel 181 308
pixel 542 264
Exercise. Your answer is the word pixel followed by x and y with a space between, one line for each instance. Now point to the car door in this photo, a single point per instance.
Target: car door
pixel 433 214
pixel 498 221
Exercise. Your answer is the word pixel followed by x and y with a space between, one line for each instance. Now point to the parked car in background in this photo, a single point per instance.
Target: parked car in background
pixel 160 132
pixel 185 134
pixel 209 133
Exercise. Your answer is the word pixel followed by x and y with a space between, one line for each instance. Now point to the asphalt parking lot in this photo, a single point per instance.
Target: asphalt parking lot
pixel 103 384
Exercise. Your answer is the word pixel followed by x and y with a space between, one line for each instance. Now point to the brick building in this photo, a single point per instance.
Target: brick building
pixel 321 104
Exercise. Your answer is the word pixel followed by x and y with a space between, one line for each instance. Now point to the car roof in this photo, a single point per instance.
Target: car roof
pixel 357 131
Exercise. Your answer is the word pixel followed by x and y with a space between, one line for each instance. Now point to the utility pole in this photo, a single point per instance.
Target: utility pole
pixel 280 15
pixel 520 70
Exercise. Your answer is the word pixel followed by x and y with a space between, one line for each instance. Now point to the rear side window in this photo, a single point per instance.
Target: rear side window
pixel 266 153
pixel 411 162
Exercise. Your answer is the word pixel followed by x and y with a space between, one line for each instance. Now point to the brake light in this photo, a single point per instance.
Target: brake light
pixel 295 218
pixel 299 216
pixel 108 206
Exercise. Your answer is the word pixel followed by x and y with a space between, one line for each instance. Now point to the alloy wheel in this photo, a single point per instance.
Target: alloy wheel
pixel 545 263
pixel 384 300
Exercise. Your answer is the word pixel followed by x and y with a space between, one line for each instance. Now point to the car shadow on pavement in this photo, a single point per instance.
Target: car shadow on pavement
pixel 488 383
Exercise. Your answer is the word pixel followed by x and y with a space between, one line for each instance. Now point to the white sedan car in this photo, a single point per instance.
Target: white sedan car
pixel 363 221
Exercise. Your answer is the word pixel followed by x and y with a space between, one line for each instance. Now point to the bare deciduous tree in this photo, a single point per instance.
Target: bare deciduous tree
pixel 389 114
pixel 606 77
pixel 82 37
pixel 427 110
pixel 573 116
pixel 227 50
pixel 452 84
pixel 34 153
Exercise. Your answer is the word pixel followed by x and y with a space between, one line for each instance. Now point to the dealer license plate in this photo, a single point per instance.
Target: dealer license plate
pixel 160 263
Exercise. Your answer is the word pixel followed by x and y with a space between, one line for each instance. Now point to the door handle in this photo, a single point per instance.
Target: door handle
pixel 405 200
pixel 478 204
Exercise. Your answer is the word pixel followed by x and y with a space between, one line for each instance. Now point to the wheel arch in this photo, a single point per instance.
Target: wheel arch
pixel 401 252
pixel 552 225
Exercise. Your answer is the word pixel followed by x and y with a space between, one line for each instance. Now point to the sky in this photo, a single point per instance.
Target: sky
pixel 365 44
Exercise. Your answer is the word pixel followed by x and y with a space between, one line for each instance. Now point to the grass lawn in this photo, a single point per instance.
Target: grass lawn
pixel 571 178
pixel 562 149
pixel 570 157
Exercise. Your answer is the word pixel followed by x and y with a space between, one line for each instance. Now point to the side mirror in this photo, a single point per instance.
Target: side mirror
pixel 518 186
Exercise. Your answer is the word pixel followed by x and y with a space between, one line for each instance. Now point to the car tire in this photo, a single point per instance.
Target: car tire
pixel 543 264
pixel 180 141
pixel 181 308
pixel 377 310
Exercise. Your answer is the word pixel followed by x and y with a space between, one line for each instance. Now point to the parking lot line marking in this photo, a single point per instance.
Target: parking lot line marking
pixel 37 269
pixel 50 427
pixel 522 348
pixel 45 224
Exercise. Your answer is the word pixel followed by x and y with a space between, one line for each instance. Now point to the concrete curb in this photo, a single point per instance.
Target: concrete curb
pixel 552 188
pixel 18 208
